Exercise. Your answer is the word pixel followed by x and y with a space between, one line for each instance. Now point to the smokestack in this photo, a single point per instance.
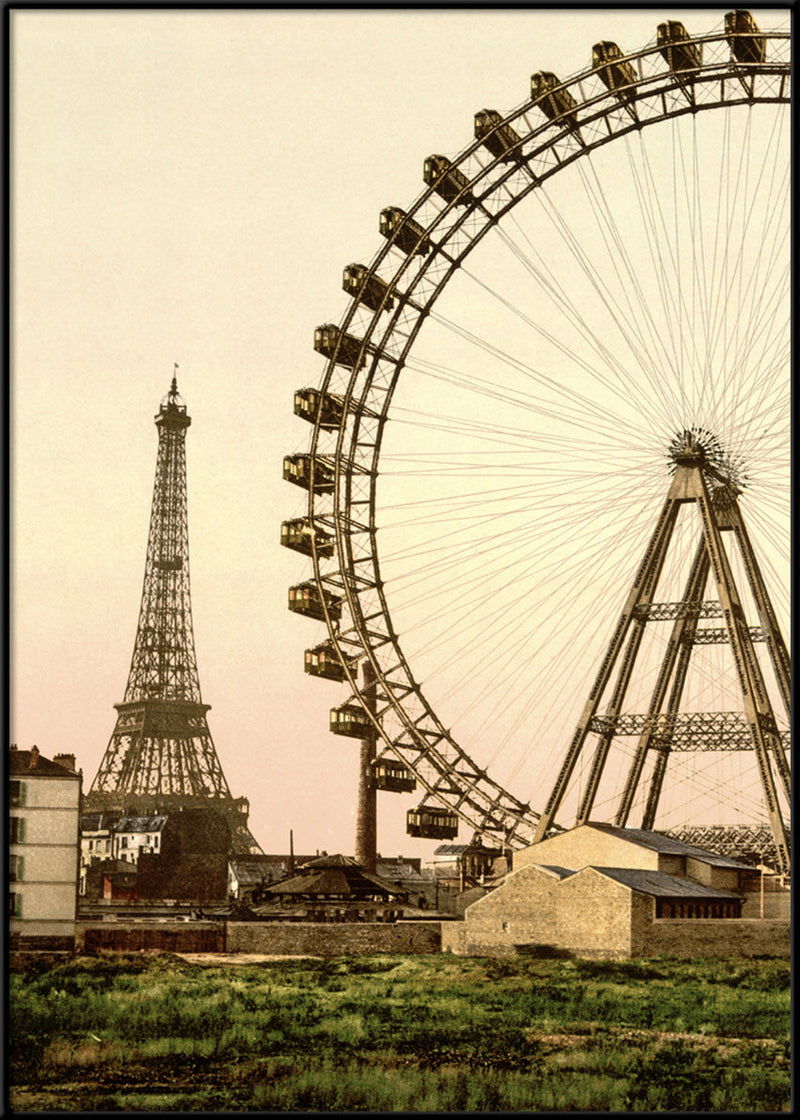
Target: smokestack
pixel 366 812
pixel 65 760
pixel 34 760
pixel 291 852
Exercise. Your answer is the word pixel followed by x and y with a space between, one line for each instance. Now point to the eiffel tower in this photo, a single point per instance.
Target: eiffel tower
pixel 703 476
pixel 161 757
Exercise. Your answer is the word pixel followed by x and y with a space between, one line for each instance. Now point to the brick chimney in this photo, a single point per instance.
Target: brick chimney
pixel 34 760
pixel 65 760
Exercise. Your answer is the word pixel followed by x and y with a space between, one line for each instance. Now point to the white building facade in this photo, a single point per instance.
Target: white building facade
pixel 44 825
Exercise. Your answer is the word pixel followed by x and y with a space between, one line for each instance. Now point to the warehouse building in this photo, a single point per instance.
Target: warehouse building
pixel 602 891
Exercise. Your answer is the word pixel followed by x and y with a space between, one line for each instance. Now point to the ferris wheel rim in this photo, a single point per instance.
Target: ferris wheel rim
pixel 475 797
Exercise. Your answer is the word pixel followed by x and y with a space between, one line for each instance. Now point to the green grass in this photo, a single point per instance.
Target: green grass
pixel 384 1033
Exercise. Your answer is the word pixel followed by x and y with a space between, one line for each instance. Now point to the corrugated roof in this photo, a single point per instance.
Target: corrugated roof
pixel 252 874
pixel 450 850
pixel 667 845
pixel 659 885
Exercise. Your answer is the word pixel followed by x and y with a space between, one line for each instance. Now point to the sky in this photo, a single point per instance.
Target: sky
pixel 186 188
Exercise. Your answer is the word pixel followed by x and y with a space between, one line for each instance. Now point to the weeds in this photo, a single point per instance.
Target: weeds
pixel 150 1033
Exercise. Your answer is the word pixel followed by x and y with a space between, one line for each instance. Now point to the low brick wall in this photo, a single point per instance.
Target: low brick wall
pixel 168 937
pixel 332 939
pixel 710 937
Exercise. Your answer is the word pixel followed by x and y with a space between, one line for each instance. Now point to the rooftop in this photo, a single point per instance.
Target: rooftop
pixel 33 764
pixel 659 885
pixel 667 845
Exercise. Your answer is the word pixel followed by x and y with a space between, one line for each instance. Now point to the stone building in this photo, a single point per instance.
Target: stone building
pixel 602 891
pixel 44 811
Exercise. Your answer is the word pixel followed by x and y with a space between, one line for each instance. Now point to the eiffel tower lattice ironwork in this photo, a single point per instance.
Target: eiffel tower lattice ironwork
pixel 665 729
pixel 161 756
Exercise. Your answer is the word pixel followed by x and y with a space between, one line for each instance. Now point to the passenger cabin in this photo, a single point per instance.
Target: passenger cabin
pixel 498 138
pixel 448 181
pixel 432 824
pixel 300 535
pixel 305 598
pixel 677 47
pixel 311 403
pixel 742 32
pixel 402 231
pixel 369 290
pixel 330 341
pixel 391 774
pixel 352 720
pixel 297 469
pixel 612 69
pixel 555 103
pixel 324 661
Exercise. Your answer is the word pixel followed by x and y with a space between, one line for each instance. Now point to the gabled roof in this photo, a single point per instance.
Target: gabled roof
pixel 19 765
pixel 667 845
pixel 559 872
pixel 659 885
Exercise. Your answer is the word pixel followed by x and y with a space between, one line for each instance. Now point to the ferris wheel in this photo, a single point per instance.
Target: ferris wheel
pixel 598 281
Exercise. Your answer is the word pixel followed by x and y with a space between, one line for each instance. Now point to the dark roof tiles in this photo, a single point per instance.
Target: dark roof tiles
pixel 660 885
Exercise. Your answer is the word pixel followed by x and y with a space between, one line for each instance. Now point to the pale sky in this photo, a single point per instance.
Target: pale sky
pixel 187 187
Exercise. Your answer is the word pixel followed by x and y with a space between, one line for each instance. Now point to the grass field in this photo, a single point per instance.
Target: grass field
pixel 385 1033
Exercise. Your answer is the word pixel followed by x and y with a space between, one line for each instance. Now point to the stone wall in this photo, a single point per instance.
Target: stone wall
pixel 587 846
pixel 716 937
pixel 595 915
pixel 331 939
pixel 777 904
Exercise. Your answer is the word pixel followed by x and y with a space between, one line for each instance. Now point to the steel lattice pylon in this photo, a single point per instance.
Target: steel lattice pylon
pixel 665 728
pixel 161 755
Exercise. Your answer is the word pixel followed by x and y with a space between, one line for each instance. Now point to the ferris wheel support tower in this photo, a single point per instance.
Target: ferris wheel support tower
pixel 663 729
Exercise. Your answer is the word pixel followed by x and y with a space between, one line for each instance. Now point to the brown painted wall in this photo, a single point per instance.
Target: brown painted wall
pixel 172 937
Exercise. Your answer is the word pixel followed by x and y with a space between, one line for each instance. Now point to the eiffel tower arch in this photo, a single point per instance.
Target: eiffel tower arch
pixel 715 608
pixel 161 756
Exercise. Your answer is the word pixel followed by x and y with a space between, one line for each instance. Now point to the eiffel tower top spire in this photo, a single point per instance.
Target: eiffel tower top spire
pixel 164 664
pixel 161 755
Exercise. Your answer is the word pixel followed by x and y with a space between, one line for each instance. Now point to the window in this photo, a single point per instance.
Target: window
pixel 124 841
pixel 14 905
pixel 91 845
pixel 15 868
pixel 16 830
pixel 16 792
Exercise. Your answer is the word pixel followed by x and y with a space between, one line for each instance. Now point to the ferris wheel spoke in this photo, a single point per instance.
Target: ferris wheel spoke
pixel 498 456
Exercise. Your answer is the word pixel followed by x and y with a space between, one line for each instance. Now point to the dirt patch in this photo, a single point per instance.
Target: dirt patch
pixel 207 959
